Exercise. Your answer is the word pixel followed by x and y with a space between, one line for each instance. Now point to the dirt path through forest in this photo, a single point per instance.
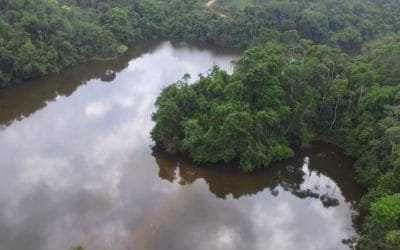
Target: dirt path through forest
pixel 209 5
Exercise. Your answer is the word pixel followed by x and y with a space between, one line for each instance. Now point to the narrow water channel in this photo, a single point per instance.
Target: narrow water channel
pixel 77 169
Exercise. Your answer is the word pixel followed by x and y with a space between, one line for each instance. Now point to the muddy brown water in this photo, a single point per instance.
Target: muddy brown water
pixel 77 169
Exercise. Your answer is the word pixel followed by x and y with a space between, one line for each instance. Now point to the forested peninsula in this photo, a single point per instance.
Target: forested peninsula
pixel 312 69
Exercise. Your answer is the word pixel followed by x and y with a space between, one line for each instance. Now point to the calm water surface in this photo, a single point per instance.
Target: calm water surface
pixel 77 168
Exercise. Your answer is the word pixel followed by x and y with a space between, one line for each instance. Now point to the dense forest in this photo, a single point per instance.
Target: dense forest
pixel 313 69
pixel 42 36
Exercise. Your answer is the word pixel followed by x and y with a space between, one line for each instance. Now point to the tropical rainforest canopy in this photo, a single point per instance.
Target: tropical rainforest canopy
pixel 42 36
pixel 313 69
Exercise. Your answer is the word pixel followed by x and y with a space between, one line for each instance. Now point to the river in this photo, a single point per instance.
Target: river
pixel 77 168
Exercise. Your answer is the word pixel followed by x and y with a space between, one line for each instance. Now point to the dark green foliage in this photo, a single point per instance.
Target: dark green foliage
pixel 382 227
pixel 39 37
pixel 247 116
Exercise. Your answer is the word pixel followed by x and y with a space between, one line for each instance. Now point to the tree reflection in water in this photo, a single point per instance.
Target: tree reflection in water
pixel 317 172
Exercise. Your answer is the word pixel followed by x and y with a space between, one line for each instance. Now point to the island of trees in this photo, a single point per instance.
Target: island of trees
pixel 312 69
